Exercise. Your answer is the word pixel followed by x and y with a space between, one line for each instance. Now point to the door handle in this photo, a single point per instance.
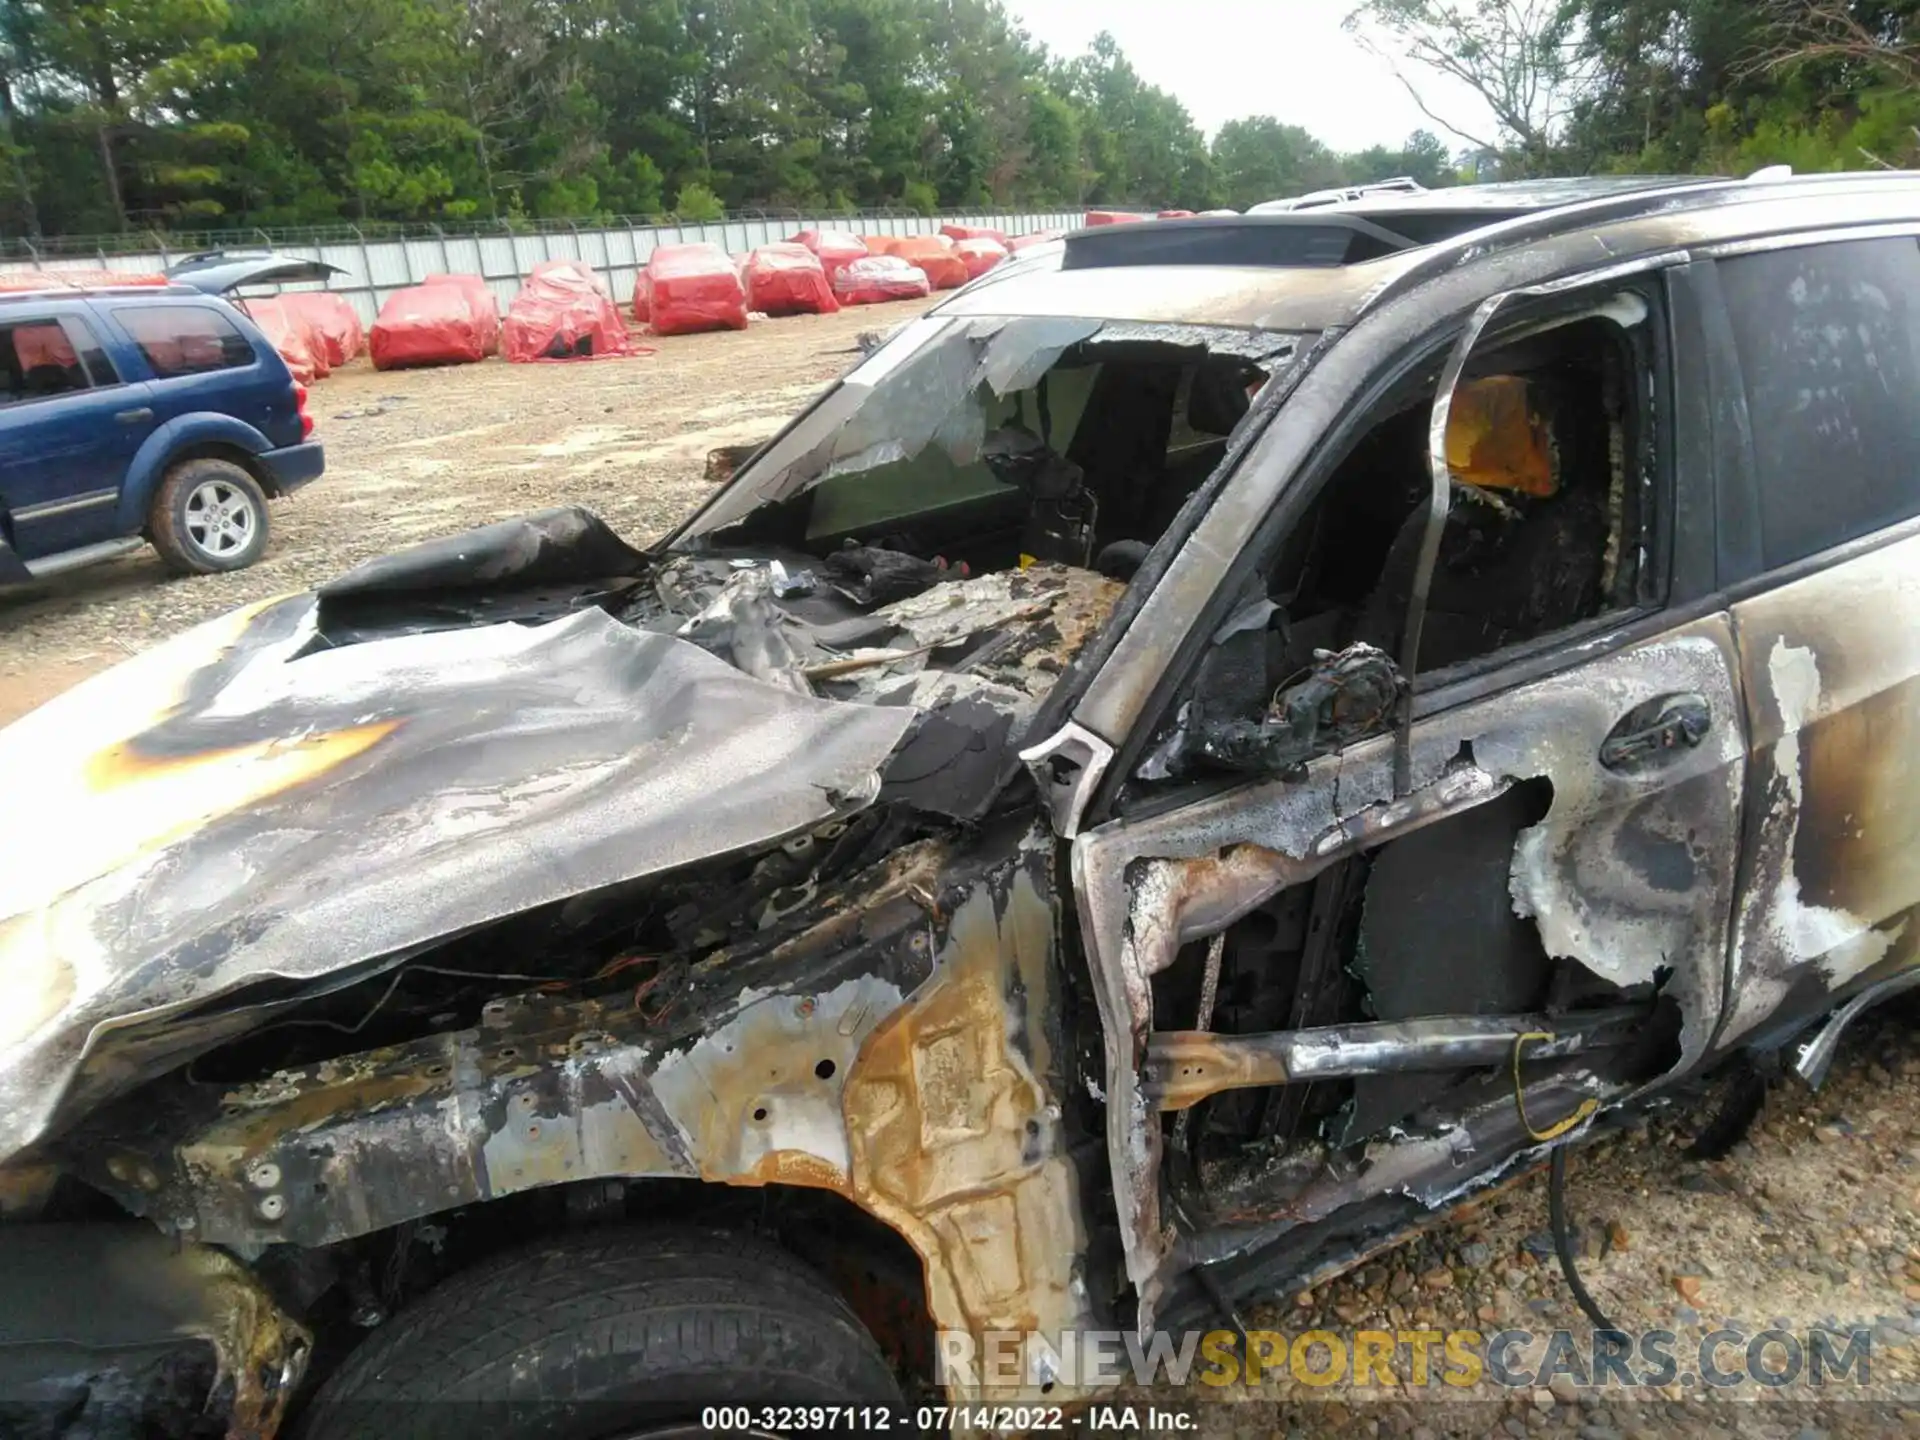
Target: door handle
pixel 134 417
pixel 1655 732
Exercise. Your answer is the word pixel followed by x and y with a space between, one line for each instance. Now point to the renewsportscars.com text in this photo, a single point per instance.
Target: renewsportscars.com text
pixel 1458 1360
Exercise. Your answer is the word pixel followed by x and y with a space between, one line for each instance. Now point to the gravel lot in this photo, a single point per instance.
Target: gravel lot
pixel 1815 1219
pixel 417 453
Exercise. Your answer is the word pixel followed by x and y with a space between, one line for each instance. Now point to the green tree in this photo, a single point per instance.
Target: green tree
pixel 697 202
pixel 1732 85
pixel 137 63
pixel 1052 174
pixel 1139 144
pixel 1261 159
pixel 285 112
pixel 16 57
pixel 1523 58
pixel 351 108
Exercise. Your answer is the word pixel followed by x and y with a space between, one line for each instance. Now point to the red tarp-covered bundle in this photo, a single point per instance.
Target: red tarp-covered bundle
pixel 837 249
pixel 788 280
pixel 945 270
pixel 427 325
pixel 304 321
pixel 879 244
pixel 693 288
pixel 333 319
pixel 1111 217
pixel 958 233
pixel 642 302
pixel 979 254
pixel 293 336
pixel 1039 237
pixel 880 278
pixel 1175 215
pixel 483 302
pixel 563 315
pixel 571 267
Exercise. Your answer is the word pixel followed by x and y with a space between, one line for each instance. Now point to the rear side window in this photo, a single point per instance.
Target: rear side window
pixel 1829 343
pixel 40 358
pixel 185 340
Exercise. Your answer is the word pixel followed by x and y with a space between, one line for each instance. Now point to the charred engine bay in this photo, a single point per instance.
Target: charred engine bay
pixel 974 656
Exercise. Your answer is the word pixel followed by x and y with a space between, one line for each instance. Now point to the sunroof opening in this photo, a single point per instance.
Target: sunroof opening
pixel 1304 240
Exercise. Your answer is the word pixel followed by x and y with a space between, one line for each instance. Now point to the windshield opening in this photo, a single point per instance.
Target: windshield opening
pixel 994 444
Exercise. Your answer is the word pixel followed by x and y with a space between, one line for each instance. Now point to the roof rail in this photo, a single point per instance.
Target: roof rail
pixel 74 282
pixel 1295 241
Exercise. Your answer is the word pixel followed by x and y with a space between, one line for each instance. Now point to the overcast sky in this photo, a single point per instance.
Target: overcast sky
pixel 1285 58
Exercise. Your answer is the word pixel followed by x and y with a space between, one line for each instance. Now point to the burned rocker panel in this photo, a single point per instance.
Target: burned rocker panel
pixel 904 1052
pixel 1630 872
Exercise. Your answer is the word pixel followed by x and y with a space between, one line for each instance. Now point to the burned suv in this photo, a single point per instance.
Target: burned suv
pixel 1217 743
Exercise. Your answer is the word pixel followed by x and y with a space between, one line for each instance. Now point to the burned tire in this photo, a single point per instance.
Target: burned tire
pixel 602 1335
pixel 208 516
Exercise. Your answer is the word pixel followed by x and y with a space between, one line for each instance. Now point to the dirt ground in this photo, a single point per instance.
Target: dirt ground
pixel 416 453
pixel 1814 1220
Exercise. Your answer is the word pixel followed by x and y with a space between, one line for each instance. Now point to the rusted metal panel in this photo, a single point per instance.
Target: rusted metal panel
pixel 903 1050
pixel 1184 1067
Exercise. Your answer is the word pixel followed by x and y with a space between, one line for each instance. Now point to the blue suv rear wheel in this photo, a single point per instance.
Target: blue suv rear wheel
pixel 208 515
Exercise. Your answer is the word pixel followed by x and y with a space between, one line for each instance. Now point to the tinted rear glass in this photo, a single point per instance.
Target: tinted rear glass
pixel 38 360
pixel 185 340
pixel 1829 339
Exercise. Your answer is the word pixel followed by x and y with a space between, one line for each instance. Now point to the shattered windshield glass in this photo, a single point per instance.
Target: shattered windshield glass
pixel 912 427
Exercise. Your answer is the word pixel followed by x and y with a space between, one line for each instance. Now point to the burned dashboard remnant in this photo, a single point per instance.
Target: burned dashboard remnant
pixel 1343 697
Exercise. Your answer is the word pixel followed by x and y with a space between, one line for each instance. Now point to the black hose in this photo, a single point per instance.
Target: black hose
pixel 1563 1247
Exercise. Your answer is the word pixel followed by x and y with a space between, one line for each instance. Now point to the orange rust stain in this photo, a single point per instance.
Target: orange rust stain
pixel 257 1127
pixel 1188 1066
pixel 954 1136
pixel 795 1167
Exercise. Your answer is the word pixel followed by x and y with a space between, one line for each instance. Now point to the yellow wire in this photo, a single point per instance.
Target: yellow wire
pixel 1552 1132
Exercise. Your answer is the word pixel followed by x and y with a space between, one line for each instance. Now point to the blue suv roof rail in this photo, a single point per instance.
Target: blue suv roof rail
pixel 92 285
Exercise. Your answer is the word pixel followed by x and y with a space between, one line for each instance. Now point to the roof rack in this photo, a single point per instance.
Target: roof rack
pixel 74 282
pixel 1340 195
pixel 1292 241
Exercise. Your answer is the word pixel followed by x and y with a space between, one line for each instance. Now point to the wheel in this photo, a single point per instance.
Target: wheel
pixel 208 515
pixel 605 1336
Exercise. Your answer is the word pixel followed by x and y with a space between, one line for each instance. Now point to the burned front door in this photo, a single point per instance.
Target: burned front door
pixel 1398 961
pixel 1627 872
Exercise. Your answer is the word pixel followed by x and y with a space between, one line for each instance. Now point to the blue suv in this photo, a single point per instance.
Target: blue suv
pixel 141 412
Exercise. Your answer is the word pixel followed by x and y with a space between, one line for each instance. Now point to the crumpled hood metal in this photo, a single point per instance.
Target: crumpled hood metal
pixel 243 803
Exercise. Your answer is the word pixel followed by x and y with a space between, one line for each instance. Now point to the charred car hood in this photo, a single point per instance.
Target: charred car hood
pixel 245 805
